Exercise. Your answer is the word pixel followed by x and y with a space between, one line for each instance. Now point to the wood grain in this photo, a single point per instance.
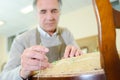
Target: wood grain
pixel 107 39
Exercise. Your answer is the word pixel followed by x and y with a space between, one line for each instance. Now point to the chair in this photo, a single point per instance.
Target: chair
pixel 107 19
pixel 110 62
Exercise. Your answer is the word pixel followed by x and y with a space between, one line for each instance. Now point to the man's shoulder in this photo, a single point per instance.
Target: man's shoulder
pixel 27 34
pixel 63 30
pixel 66 35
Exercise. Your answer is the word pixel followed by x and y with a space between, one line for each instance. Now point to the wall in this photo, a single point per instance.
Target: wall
pixel 3 53
pixel 90 43
pixel 81 23
pixel 118 39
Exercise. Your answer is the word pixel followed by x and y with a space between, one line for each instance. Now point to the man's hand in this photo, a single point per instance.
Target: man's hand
pixel 32 59
pixel 72 51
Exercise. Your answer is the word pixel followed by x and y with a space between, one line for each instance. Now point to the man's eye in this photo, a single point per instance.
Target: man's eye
pixel 42 12
pixel 55 11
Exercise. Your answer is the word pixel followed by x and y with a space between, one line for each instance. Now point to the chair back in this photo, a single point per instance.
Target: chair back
pixel 108 19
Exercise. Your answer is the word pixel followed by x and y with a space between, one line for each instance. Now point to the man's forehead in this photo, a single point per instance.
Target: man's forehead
pixel 47 2
pixel 48 5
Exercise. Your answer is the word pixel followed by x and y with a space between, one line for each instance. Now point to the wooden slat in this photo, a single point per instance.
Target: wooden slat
pixel 116 15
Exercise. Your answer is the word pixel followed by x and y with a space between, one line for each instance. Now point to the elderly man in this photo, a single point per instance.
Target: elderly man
pixel 36 48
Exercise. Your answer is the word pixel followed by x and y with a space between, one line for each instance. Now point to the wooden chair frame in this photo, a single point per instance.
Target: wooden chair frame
pixel 107 19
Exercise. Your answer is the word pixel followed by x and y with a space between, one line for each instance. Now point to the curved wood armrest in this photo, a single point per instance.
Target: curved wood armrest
pixel 107 38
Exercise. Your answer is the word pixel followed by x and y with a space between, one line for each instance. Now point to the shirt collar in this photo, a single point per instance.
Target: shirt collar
pixel 45 34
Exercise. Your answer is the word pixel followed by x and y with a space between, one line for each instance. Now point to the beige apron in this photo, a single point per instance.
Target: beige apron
pixel 55 52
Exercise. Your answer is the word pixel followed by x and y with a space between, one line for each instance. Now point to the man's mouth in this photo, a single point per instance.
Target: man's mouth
pixel 50 24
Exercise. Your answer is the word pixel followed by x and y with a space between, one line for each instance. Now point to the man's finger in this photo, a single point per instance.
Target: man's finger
pixel 73 52
pixel 67 52
pixel 39 48
pixel 36 55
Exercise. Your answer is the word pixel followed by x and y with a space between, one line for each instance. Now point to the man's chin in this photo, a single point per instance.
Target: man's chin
pixel 50 28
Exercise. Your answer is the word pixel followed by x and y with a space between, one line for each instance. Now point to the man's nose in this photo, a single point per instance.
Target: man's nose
pixel 49 16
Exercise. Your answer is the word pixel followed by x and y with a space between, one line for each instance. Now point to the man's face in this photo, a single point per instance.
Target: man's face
pixel 48 12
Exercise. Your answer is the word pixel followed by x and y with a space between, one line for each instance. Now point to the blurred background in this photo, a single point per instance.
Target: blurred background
pixel 18 16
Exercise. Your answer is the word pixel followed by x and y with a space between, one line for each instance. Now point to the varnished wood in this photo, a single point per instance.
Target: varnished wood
pixel 100 76
pixel 107 39
pixel 116 15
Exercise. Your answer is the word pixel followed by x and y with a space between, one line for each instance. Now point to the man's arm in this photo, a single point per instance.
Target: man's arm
pixel 12 68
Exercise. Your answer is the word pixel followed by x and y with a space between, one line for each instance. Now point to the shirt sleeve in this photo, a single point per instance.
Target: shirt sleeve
pixel 12 67
pixel 11 74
